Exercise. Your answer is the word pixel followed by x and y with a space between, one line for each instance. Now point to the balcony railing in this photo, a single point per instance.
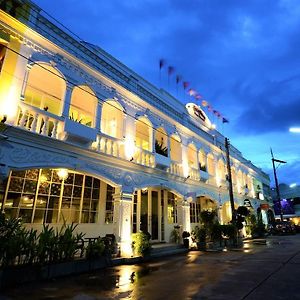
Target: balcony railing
pixel 144 157
pixel 175 168
pixel 108 145
pixel 194 173
pixel 39 121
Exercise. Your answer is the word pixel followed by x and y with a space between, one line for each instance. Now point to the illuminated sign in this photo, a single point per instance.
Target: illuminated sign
pixel 198 115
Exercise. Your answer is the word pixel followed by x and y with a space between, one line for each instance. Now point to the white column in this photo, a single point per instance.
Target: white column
pixel 67 101
pixel 220 215
pixel 123 221
pixel 28 68
pixel 98 116
pixel 186 220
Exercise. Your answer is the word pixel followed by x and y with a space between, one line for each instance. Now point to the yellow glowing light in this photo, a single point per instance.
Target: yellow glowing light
pixel 9 104
pixel 62 174
pixel 43 178
pixel 213 126
pixel 129 147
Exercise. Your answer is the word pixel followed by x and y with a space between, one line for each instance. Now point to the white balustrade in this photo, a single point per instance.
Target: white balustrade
pixel 144 157
pixel 194 173
pixel 38 121
pixel 176 168
pixel 108 145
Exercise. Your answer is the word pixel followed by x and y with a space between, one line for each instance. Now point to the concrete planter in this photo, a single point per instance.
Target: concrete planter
pixel 204 176
pixel 14 275
pixel 161 161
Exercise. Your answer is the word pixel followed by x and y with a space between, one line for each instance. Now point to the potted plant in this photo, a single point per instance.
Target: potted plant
pixel 186 241
pixel 199 237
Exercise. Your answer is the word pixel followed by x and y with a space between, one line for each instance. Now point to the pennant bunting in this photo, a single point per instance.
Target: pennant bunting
pixel 204 103
pixel 185 84
pixel 224 120
pixel 178 78
pixel 162 62
pixel 192 92
pixel 170 70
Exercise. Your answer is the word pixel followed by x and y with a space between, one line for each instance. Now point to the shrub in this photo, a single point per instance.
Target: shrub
pixel 175 236
pixel 141 243
pixel 95 249
pixel 199 234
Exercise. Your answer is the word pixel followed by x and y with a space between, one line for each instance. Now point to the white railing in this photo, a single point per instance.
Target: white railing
pixel 176 168
pixel 39 121
pixel 194 173
pixel 144 157
pixel 108 145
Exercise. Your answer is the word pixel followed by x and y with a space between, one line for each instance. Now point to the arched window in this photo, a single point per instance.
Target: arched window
pixel 202 160
pixel 161 142
pixel 211 165
pixel 83 106
pixel 45 88
pixel 143 134
pixel 175 148
pixel 233 175
pixel 192 156
pixel 112 119
pixel 221 169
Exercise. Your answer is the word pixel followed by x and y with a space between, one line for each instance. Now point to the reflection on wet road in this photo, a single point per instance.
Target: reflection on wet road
pixel 176 277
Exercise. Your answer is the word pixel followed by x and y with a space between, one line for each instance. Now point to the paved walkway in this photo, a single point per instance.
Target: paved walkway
pixel 257 272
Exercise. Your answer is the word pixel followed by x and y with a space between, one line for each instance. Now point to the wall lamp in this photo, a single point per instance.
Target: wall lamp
pixel 185 179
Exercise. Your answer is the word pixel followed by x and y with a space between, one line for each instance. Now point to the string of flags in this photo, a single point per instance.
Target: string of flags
pixel 186 85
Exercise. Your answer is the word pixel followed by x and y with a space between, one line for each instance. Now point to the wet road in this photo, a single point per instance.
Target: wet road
pixel 257 272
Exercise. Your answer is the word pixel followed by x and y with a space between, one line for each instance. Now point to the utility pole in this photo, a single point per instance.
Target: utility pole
pixel 227 145
pixel 276 182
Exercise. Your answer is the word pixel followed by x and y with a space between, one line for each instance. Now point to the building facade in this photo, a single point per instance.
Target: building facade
pixel 86 140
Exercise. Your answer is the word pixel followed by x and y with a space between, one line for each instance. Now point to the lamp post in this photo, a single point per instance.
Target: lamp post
pixel 276 182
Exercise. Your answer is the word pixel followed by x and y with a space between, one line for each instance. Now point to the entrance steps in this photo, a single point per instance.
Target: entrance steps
pixel 166 249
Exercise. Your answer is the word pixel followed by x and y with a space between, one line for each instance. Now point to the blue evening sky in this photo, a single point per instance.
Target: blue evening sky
pixel 242 56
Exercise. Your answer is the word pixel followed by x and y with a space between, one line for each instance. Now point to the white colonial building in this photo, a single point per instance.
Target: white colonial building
pixel 84 139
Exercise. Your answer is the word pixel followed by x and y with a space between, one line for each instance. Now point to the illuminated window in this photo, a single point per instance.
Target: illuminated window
pixel 195 209
pixel 172 208
pixel 83 106
pixel 109 206
pixel 192 156
pixel 161 142
pixel 45 88
pixel 41 196
pixel 143 134
pixel 112 119
pixel 210 165
pixel 175 148
pixel 202 160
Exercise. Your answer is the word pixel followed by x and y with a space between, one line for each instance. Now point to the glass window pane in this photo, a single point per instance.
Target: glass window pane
pixel 16 184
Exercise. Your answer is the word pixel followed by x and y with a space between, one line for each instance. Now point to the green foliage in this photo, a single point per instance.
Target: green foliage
pixel 208 217
pixel 141 243
pixel 72 118
pixel 95 249
pixel 175 236
pixel 160 149
pixel 216 232
pixel 229 231
pixel 198 235
pixel 202 167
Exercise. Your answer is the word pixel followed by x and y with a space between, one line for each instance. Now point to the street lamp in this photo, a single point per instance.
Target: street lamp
pixel 276 182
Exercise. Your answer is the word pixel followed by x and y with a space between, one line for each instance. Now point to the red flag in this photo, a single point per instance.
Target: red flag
pixel 185 84
pixel 216 113
pixel 209 107
pixel 198 96
pixel 178 78
pixel 170 70
pixel 162 62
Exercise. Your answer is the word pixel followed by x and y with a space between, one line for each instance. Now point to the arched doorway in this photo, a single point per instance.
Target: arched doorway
pixel 155 211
